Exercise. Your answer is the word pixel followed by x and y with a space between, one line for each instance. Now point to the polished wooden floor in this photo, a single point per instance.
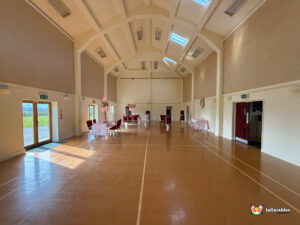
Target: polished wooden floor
pixel 148 176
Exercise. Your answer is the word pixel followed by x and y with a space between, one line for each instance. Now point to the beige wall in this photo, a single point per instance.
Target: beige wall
pixel 33 52
pixel 205 77
pixel 265 50
pixel 187 88
pixel 92 77
pixel 112 88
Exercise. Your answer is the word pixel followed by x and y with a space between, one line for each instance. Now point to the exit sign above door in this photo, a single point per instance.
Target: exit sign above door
pixel 244 96
pixel 43 96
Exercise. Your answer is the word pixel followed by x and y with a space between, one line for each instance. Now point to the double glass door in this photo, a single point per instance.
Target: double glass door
pixel 37 127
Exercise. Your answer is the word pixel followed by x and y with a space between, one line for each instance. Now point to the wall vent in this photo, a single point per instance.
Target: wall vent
pixel 234 7
pixel 157 34
pixel 60 7
pixel 143 65
pixel 116 69
pixel 197 52
pixel 101 53
pixel 139 33
pixel 155 65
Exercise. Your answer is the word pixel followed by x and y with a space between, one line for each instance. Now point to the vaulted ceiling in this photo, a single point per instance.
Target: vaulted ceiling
pixel 134 35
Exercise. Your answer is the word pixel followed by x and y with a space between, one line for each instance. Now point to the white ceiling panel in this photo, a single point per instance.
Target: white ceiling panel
pixel 190 11
pixel 139 25
pixel 74 24
pixel 119 40
pixel 222 23
pixel 131 4
pixel 164 28
pixel 103 10
pixel 163 4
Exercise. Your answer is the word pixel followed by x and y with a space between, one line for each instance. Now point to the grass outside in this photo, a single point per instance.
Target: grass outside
pixel 28 123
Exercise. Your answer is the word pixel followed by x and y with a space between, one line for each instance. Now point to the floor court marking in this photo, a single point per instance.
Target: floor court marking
pixel 14 190
pixel 256 170
pixel 261 185
pixel 138 221
pixel 4 196
pixel 9 181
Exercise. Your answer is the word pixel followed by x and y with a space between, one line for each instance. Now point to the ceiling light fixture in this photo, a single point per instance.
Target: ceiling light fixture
pixel 234 7
pixel 166 60
pixel 182 70
pixel 178 39
pixel 101 53
pixel 60 7
pixel 116 69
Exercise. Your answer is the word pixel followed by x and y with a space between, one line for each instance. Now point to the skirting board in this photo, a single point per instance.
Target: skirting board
pixel 12 155
pixel 278 156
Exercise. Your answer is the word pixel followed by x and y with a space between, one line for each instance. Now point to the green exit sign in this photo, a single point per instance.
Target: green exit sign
pixel 244 96
pixel 43 96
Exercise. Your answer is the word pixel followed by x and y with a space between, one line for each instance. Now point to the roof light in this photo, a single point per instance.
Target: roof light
pixel 166 60
pixel 178 39
pixel 202 2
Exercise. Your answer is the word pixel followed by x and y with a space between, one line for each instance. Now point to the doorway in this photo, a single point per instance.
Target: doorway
pixel 169 114
pixel 248 127
pixel 37 123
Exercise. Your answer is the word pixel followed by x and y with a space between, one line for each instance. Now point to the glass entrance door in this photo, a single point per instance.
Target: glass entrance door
pixel 28 124
pixel 37 119
pixel 43 122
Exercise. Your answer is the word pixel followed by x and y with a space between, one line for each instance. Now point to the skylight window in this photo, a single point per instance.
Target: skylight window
pixel 166 60
pixel 202 2
pixel 178 39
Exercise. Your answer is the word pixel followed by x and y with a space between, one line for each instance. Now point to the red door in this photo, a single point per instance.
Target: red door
pixel 242 122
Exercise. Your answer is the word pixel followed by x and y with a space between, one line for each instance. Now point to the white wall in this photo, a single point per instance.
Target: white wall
pixel 11 121
pixel 208 112
pixel 154 96
pixel 137 91
pixel 166 91
pixel 281 120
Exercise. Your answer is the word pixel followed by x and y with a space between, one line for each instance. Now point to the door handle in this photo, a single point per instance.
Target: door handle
pixel 247 118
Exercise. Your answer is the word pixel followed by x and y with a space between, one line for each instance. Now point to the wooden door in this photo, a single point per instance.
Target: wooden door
pixel 242 122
